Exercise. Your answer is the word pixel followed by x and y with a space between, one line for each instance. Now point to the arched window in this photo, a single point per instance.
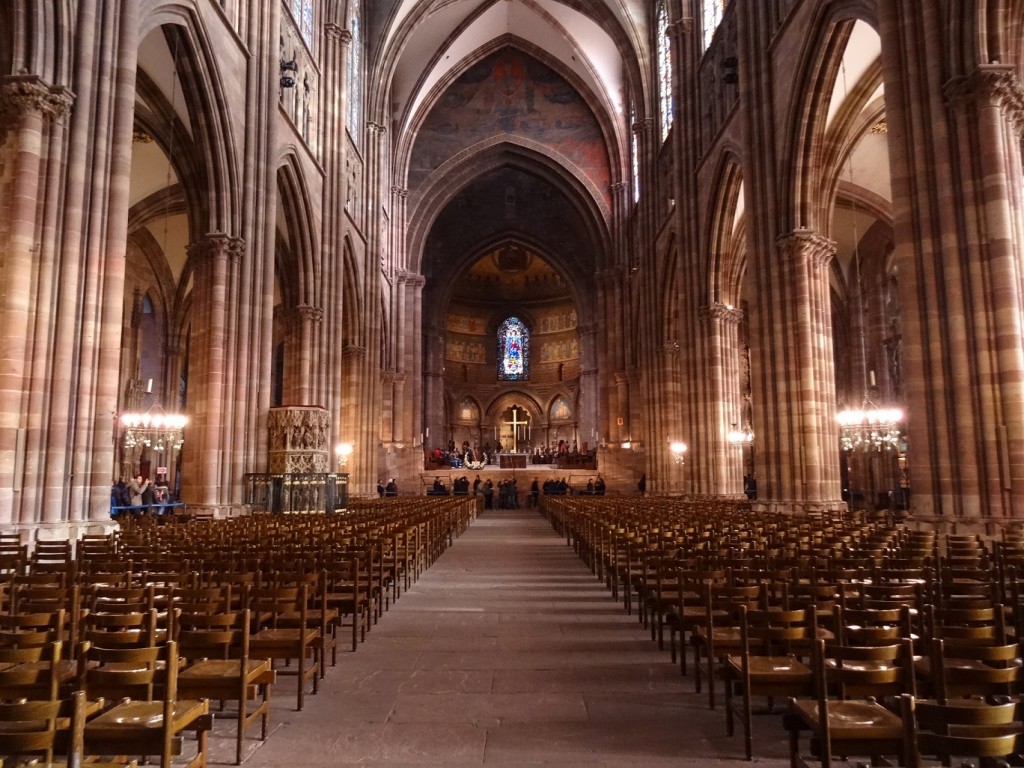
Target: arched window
pixel 664 72
pixel 354 74
pixel 513 351
pixel 713 10
pixel 302 10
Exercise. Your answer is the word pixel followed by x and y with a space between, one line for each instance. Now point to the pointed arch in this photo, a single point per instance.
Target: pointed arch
pixel 211 169
pixel 726 264
pixel 821 60
pixel 296 206
pixel 353 323
pixel 448 180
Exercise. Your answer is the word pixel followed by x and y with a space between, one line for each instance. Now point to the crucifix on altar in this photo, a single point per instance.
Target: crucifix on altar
pixel 516 430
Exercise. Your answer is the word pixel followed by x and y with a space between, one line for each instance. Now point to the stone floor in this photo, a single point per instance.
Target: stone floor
pixel 507 652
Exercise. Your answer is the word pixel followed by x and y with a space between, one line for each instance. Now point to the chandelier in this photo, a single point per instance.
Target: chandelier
pixel 740 437
pixel 154 429
pixel 679 450
pixel 868 428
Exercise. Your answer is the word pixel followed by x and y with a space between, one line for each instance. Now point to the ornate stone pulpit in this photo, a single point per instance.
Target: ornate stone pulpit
pixel 299 439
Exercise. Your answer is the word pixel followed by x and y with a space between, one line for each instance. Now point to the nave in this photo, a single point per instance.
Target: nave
pixel 507 651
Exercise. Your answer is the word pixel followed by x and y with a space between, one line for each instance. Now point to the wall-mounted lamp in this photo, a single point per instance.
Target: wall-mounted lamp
pixel 679 450
pixel 287 67
pixel 343 451
pixel 730 75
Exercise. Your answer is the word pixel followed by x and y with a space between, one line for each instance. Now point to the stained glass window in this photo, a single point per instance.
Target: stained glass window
pixel 513 351
pixel 302 10
pixel 354 75
pixel 664 72
pixel 713 10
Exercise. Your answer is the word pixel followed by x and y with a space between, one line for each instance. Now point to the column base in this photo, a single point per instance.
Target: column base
pixel 780 507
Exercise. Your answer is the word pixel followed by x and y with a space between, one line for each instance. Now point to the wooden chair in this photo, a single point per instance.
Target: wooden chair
pixel 34 672
pixel 767 664
pixel 216 646
pixel 720 633
pixel 298 642
pixel 962 669
pixel 50 729
pixel 854 722
pixel 145 724
pixel 962 729
pixel 346 593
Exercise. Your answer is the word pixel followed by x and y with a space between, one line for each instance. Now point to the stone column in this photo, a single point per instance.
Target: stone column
pixel 800 466
pixel 27 109
pixel 589 394
pixel 722 462
pixel 352 364
pixel 213 259
pixel 334 147
pixel 300 363
pixel 954 142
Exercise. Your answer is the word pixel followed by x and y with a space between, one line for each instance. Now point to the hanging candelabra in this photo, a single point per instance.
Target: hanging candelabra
pixel 868 428
pixel 154 429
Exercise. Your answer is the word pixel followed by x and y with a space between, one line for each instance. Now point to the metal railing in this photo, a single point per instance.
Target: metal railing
pixel 312 492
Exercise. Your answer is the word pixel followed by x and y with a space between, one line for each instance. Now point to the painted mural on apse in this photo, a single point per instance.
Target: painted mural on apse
pixel 511 92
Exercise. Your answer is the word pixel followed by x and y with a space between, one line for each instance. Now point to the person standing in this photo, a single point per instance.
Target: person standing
pixel 380 488
pixel 136 488
pixel 392 488
pixel 642 485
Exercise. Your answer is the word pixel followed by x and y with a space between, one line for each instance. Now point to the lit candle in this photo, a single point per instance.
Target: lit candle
pixel 871 375
pixel 149 387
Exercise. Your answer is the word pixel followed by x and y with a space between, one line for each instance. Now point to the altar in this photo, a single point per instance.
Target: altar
pixel 512 460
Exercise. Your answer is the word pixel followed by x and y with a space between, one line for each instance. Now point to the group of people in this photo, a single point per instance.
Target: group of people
pixel 391 489
pixel 139 495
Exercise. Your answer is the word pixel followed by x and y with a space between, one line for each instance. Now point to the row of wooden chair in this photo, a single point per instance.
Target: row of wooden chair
pixel 234 629
pixel 838 615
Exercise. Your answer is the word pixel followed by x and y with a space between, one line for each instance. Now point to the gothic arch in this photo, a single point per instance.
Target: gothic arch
pixel 507 400
pixel 213 169
pixel 574 284
pixel 630 42
pixel 294 200
pixel 726 263
pixel 452 177
pixel 826 44
pixel 616 140
pixel 671 296
pixel 353 325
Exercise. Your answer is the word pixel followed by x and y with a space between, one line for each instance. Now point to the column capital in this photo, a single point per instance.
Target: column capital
pixel 994 84
pixel 337 32
pixel 681 27
pixel 400 192
pixel 353 352
pixel 378 128
pixel 305 313
pixel 217 245
pixel 412 279
pixel 21 94
pixel 806 243
pixel 644 126
pixel 722 313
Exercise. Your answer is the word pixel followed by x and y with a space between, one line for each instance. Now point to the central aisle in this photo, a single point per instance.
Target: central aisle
pixel 506 652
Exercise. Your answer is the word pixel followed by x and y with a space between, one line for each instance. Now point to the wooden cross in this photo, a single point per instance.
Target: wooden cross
pixel 515 423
